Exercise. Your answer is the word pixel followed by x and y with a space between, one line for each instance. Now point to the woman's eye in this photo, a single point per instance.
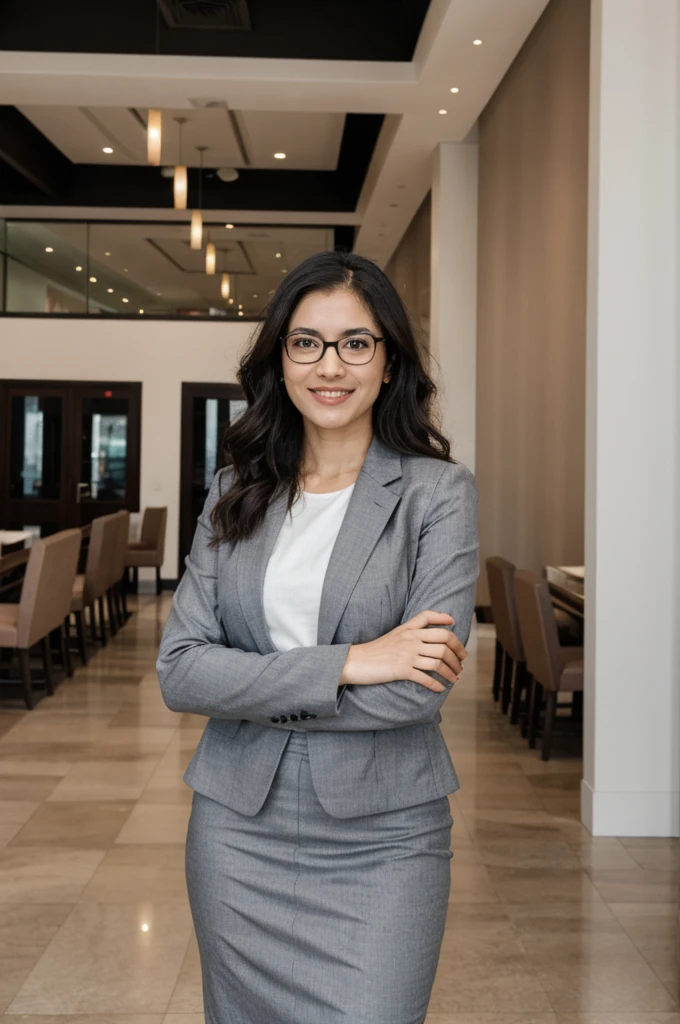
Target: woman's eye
pixel 356 343
pixel 304 342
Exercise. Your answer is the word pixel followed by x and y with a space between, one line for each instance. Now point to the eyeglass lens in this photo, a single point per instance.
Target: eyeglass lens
pixel 303 348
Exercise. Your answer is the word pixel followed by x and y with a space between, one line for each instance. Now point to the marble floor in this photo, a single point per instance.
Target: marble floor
pixel 546 925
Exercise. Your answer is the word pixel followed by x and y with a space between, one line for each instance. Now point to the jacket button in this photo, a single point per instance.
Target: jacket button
pixel 312 716
pixel 283 718
pixel 274 719
pixel 304 715
pixel 293 718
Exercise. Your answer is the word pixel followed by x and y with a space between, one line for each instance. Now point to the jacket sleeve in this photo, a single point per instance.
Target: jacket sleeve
pixel 445 578
pixel 200 673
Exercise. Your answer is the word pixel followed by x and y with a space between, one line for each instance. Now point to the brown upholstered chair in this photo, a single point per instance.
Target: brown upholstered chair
pixel 150 548
pixel 44 604
pixel 89 587
pixel 118 601
pixel 510 666
pixel 554 668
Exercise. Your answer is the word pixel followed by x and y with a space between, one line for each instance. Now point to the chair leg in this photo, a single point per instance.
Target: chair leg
pixel 534 712
pixel 102 621
pixel 118 604
pixel 158 580
pixel 550 709
pixel 47 663
pixel 135 580
pixel 508 675
pixel 521 683
pixel 93 624
pixel 80 630
pixel 124 592
pixel 65 650
pixel 497 671
pixel 113 624
pixel 25 664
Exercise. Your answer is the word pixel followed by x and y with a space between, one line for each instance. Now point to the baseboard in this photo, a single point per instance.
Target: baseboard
pixel 641 815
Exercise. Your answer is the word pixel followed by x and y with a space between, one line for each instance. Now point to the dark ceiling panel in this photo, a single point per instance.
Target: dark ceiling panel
pixel 125 186
pixel 31 155
pixel 380 30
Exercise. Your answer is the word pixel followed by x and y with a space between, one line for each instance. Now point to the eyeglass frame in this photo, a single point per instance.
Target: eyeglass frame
pixel 331 344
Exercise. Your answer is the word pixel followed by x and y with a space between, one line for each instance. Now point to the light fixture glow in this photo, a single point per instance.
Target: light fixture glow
pixel 477 42
pixel 229 227
pixel 126 300
pixel 279 156
pixel 225 286
pixel 107 149
pixel 141 311
pixel 278 255
pixel 240 312
pixel 107 253
pixel 454 89
pixel 231 302
pixel 110 291
pixel 196 229
pixel 48 248
pixel 79 269
pixel 442 111
pixel 145 927
pixel 180 187
pixel 154 130
pixel 210 258
pixel 93 280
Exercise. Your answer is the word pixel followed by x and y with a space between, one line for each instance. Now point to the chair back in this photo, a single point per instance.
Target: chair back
pixel 48 584
pixel 538 627
pixel 500 575
pixel 123 521
pixel 153 531
pixel 99 565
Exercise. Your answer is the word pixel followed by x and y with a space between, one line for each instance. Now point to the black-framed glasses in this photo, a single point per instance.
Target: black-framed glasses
pixel 356 349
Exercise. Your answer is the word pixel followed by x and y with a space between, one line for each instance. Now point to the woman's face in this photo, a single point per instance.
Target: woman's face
pixel 329 316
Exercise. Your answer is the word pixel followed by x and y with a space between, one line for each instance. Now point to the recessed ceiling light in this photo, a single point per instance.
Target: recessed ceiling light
pixel 126 300
pixel 228 226
pixel 110 291
pixel 240 312
pixel 107 149
pixel 141 311
pixel 284 271
pixel 278 255
pixel 477 42
pixel 107 253
pixel 455 89
pixel 279 156
pixel 240 305
pixel 254 295
pixel 442 111
pixel 125 270
pixel 79 269
pixel 93 280
pixel 231 302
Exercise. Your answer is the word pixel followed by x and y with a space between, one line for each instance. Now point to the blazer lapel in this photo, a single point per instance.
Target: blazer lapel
pixel 367 514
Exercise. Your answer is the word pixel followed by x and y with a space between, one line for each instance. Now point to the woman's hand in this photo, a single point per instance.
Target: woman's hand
pixel 408 651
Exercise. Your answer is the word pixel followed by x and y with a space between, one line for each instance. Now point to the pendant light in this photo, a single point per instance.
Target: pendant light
pixel 210 258
pixel 153 138
pixel 180 183
pixel 196 236
pixel 225 286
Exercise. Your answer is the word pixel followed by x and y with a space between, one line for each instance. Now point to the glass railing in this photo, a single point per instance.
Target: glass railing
pixel 121 268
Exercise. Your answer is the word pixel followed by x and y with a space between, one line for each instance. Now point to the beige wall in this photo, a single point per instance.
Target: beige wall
pixel 409 269
pixel 533 157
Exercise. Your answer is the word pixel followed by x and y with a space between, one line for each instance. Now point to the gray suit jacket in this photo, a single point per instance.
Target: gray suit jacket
pixel 408 542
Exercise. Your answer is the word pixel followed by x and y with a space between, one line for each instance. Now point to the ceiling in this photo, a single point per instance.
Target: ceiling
pixel 359 127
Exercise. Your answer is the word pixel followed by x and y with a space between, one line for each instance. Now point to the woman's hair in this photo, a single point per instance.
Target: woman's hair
pixel 264 444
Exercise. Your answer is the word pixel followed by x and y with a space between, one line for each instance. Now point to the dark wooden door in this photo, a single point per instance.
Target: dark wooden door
pixel 207 410
pixel 69 451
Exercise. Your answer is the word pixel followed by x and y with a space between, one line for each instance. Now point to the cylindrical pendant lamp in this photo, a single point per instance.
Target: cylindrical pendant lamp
pixel 196 241
pixel 225 287
pixel 210 258
pixel 153 138
pixel 179 187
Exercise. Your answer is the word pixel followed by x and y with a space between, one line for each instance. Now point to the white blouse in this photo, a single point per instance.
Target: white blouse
pixel 296 569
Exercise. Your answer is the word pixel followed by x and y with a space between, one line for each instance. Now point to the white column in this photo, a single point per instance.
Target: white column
pixel 632 701
pixel 453 315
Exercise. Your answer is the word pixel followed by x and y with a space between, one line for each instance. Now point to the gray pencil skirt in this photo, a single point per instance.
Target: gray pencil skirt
pixel 302 918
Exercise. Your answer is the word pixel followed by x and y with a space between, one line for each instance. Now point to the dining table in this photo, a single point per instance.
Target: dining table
pixel 13 540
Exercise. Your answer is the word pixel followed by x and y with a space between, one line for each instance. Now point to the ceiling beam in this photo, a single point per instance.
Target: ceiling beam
pixel 30 154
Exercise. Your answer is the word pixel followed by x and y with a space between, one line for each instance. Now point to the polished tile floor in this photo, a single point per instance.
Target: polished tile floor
pixel 546 925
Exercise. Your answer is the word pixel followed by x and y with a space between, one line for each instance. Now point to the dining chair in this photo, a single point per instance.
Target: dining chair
pixel 43 605
pixel 554 668
pixel 510 673
pixel 89 587
pixel 149 550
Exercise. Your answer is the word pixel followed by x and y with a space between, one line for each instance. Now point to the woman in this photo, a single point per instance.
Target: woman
pixel 313 626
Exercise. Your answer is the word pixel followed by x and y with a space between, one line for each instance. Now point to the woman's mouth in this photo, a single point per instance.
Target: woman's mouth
pixel 331 396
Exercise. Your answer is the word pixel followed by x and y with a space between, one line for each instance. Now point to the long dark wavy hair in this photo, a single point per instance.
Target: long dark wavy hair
pixel 264 445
